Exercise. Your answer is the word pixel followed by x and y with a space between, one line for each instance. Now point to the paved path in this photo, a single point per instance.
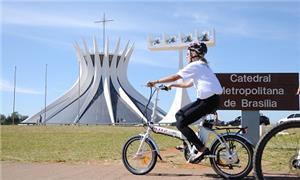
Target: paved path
pixel 105 171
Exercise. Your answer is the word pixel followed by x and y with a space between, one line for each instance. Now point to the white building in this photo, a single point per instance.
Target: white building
pixel 101 95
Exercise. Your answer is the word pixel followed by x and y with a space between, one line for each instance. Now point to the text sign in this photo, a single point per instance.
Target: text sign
pixel 259 91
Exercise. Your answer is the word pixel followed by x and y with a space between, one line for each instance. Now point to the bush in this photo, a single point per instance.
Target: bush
pixel 18 118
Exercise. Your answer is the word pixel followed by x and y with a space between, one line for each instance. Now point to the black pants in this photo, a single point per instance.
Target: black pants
pixel 191 113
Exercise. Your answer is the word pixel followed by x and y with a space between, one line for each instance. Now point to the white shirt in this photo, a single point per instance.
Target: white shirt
pixel 204 80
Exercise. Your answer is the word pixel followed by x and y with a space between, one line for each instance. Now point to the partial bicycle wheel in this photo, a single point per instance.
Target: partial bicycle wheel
pixel 142 161
pixel 277 154
pixel 235 164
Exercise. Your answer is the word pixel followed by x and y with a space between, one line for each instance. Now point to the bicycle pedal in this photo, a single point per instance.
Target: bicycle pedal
pixel 210 156
pixel 189 160
pixel 179 148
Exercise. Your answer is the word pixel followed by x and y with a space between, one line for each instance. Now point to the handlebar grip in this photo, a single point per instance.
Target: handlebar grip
pixel 165 88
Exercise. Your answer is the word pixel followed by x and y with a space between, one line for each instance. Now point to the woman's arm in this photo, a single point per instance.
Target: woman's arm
pixel 185 84
pixel 167 79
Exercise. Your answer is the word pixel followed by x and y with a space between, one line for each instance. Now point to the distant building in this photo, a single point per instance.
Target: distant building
pixel 101 95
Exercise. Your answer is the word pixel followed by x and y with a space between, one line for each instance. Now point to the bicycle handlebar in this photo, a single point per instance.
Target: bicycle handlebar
pixel 162 87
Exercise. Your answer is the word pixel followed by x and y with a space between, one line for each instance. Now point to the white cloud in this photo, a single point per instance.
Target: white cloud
pixel 53 42
pixel 6 86
pixel 157 62
pixel 148 62
pixel 227 23
pixel 220 21
pixel 34 18
pixel 68 19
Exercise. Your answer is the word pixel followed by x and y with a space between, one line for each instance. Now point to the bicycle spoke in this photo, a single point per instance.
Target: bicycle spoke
pixel 139 160
pixel 239 160
pixel 277 156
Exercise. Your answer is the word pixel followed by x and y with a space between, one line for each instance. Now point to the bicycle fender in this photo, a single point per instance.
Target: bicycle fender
pixel 156 147
pixel 151 140
pixel 232 134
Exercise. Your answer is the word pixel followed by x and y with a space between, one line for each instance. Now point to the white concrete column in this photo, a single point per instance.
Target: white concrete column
pixel 181 97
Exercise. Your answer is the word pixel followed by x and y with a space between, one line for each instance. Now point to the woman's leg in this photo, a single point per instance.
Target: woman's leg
pixel 190 114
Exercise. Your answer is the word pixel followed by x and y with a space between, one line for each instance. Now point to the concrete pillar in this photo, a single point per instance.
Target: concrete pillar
pixel 251 120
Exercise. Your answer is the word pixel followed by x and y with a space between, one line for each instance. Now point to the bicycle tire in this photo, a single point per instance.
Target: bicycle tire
pixel 263 142
pixel 214 160
pixel 126 163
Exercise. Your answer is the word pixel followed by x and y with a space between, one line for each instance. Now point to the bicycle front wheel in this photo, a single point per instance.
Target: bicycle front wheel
pixel 277 154
pixel 139 157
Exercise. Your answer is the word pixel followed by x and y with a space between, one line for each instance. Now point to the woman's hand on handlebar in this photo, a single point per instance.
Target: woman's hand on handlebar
pixel 162 86
pixel 151 83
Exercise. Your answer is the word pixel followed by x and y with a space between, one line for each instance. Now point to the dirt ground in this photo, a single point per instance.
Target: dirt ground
pixel 172 167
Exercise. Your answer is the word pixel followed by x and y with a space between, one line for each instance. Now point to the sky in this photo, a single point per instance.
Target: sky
pixel 251 36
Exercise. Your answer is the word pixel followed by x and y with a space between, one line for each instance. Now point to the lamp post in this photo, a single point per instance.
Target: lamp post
pixel 45 100
pixel 14 99
pixel 181 41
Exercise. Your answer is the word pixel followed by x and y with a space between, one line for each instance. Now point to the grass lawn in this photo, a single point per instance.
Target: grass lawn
pixel 104 143
pixel 69 143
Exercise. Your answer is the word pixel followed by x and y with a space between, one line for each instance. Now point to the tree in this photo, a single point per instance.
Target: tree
pixel 18 118
pixel 2 119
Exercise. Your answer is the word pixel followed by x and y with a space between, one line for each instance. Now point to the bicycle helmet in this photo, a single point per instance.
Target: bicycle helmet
pixel 199 48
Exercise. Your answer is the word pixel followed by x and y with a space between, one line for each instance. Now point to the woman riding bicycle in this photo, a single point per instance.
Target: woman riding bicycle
pixel 208 89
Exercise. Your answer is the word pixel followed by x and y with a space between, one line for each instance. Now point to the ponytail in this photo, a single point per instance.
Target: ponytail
pixel 203 59
pixel 199 57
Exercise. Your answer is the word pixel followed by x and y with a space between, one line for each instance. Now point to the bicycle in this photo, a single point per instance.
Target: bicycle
pixel 278 152
pixel 230 153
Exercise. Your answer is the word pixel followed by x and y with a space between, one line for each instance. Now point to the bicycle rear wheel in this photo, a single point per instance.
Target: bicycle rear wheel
pixel 278 152
pixel 142 161
pixel 235 164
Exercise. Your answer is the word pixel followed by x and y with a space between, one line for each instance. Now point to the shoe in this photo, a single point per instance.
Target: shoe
pixel 202 155
pixel 180 147
pixel 193 154
pixel 198 156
